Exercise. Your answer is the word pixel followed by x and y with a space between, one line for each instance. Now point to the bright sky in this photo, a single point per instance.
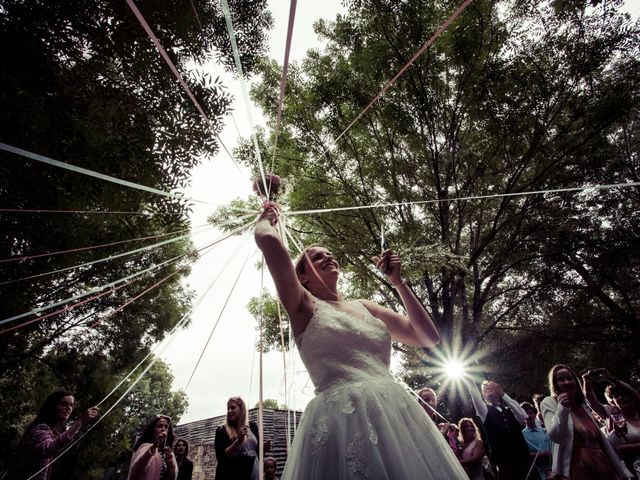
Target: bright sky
pixel 230 359
pixel 229 366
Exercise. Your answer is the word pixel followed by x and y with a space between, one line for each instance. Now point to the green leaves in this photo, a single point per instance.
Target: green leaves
pixel 275 321
pixel 526 97
pixel 86 86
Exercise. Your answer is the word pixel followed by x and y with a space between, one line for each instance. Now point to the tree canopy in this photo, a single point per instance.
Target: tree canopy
pixel 83 84
pixel 271 403
pixel 513 97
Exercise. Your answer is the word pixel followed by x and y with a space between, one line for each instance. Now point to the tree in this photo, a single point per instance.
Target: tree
pixel 86 86
pixel 271 403
pixel 538 96
pixel 273 316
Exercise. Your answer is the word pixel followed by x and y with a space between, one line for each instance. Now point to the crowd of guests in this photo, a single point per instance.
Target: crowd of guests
pixel 237 448
pixel 567 435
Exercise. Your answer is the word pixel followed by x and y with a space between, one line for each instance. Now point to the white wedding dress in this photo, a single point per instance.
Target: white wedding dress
pixel 361 424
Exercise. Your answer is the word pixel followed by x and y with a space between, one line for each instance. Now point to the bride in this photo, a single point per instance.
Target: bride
pixel 361 423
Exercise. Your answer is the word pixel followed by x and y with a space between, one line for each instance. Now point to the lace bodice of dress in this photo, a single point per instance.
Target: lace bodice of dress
pixel 340 347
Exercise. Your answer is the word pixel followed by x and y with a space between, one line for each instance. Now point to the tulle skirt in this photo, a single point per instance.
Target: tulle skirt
pixel 371 429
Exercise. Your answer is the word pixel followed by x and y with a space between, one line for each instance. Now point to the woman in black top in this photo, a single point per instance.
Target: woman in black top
pixel 237 444
pixel 185 466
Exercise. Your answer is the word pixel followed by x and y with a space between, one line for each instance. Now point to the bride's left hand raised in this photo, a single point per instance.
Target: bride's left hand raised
pixel 391 265
pixel 270 212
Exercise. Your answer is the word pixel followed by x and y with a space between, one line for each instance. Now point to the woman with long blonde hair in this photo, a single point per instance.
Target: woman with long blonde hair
pixel 472 449
pixel 237 444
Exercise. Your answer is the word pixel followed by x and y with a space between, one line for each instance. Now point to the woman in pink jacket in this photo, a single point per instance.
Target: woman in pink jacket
pixel 153 458
pixel 47 436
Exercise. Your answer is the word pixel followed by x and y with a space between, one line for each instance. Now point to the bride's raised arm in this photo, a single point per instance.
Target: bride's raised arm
pixel 295 299
pixel 417 327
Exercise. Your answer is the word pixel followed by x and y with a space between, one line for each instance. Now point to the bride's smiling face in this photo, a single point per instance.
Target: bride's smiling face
pixel 320 264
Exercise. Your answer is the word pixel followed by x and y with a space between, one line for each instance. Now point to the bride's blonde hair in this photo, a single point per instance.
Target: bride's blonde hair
pixel 301 261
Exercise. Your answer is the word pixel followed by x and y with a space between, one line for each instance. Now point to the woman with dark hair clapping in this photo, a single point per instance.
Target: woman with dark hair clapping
pixel 580 450
pixel 153 458
pixel 46 436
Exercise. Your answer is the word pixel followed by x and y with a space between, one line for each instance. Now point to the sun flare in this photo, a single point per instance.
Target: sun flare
pixel 454 369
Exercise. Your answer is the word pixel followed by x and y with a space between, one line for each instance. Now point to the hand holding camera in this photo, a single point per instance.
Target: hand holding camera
pixel 595 375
